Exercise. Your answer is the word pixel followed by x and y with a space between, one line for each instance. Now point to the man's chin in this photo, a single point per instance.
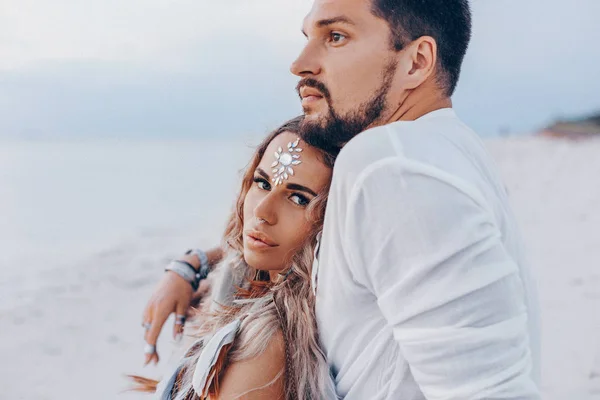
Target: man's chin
pixel 315 117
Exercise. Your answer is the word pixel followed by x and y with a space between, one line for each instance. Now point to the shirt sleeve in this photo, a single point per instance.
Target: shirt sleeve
pixel 429 249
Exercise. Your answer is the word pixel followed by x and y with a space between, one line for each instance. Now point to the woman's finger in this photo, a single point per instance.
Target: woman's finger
pixel 180 317
pixel 146 313
pixel 158 320
pixel 151 357
pixel 147 321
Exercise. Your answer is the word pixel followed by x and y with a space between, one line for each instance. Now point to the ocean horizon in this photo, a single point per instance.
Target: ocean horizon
pixel 65 203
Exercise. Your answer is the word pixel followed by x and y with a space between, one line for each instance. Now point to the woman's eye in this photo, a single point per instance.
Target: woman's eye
pixel 262 184
pixel 299 200
pixel 337 37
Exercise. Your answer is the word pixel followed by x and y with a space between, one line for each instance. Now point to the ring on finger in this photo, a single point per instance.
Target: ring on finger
pixel 149 349
pixel 179 319
pixel 147 325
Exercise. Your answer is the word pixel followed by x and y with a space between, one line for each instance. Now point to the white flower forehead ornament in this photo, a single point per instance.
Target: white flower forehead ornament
pixel 284 162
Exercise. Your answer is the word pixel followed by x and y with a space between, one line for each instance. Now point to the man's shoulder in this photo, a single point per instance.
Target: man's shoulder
pixel 441 145
pixel 365 149
pixel 359 155
pixel 427 140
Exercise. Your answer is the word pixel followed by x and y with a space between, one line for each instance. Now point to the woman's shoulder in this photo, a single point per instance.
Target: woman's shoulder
pixel 210 354
pixel 260 374
pixel 274 354
pixel 258 377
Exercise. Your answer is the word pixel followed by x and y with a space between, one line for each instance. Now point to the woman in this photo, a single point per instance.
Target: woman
pixel 264 345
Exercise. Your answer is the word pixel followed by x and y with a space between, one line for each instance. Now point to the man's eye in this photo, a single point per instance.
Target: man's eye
pixel 337 37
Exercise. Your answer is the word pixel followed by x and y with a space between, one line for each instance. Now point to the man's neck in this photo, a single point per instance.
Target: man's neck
pixel 419 103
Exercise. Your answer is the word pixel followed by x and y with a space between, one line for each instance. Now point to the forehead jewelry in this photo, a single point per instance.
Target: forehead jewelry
pixel 284 162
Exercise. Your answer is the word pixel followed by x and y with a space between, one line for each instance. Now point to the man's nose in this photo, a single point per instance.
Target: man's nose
pixel 307 63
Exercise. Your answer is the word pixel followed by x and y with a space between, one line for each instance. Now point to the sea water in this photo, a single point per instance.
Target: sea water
pixel 64 202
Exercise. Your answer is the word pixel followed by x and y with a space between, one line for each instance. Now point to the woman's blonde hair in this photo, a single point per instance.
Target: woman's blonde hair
pixel 266 308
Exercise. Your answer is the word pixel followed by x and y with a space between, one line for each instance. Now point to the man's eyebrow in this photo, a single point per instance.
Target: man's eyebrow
pixel 330 21
pixel 295 186
pixel 262 173
pixel 340 19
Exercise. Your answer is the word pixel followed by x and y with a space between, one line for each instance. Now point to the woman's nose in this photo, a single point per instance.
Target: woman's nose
pixel 266 209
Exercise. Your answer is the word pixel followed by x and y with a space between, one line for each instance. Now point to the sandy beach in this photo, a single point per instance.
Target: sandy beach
pixel 82 333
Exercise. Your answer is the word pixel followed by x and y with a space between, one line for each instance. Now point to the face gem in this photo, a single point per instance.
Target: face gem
pixel 282 166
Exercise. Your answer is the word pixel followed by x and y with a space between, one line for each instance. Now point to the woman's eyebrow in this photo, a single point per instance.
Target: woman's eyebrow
pixel 262 173
pixel 289 186
pixel 295 186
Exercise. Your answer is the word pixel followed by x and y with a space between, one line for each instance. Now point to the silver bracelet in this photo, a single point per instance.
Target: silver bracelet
pixel 204 264
pixel 201 256
pixel 186 271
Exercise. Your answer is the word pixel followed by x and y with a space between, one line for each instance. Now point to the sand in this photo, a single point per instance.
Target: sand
pixel 82 333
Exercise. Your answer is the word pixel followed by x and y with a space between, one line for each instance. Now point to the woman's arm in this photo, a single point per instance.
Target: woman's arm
pixel 259 378
pixel 214 255
pixel 173 294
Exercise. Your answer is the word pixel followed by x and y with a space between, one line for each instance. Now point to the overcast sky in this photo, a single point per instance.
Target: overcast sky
pixel 158 68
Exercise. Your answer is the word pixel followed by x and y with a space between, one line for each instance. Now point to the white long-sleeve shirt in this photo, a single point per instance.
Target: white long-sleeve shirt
pixel 423 291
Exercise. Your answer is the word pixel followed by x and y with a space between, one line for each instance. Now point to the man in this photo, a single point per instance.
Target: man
pixel 422 288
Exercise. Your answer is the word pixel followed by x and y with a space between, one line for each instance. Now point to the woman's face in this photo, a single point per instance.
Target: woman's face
pixel 276 220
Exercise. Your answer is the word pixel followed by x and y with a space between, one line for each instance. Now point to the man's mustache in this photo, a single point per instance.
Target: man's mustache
pixel 315 84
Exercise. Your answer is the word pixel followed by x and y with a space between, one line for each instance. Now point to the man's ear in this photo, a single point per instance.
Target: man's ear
pixel 418 61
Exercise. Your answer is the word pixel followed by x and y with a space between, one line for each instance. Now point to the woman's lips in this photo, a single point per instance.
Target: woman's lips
pixel 257 244
pixel 259 240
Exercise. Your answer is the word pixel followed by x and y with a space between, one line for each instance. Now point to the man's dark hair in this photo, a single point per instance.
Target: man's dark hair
pixel 447 21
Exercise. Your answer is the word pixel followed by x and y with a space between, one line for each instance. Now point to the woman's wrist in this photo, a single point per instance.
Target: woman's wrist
pixel 195 259
pixel 191 259
pixel 193 267
pixel 186 271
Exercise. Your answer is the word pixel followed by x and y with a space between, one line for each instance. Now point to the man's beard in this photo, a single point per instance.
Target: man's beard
pixel 333 131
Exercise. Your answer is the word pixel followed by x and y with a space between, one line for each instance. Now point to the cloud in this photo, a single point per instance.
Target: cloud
pixel 161 32
pixel 197 67
pixel 530 62
pixel 147 68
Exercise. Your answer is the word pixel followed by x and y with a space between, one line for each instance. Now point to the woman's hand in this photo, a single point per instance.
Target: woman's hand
pixel 172 295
